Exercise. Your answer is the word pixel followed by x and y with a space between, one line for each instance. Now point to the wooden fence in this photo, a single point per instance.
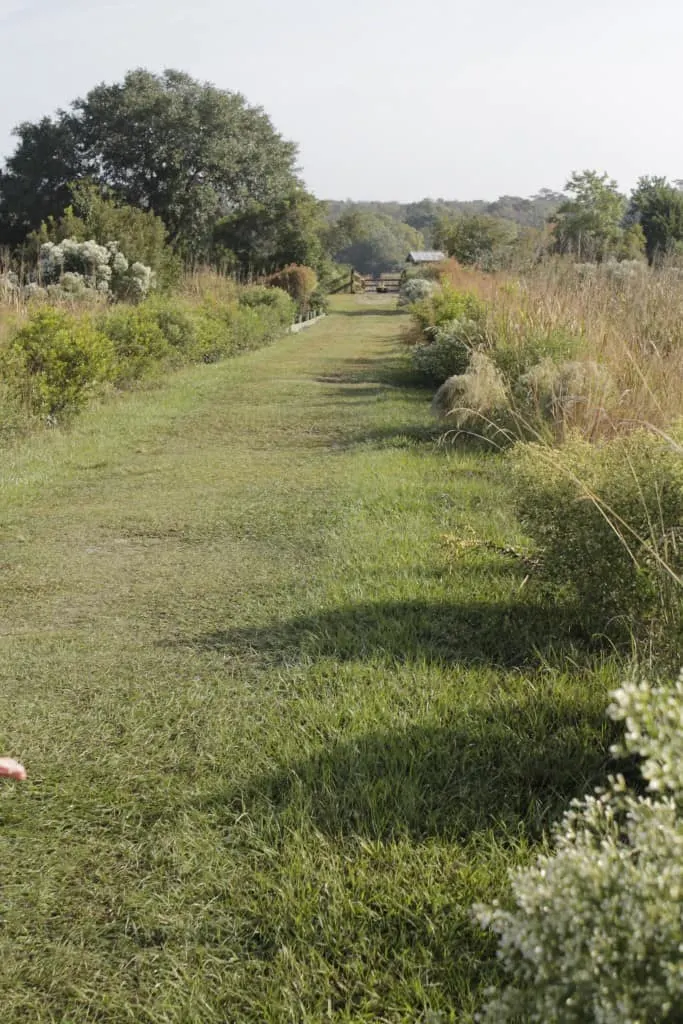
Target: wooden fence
pixel 356 283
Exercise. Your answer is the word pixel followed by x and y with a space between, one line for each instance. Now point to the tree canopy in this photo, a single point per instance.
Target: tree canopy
pixel 373 243
pixel 658 206
pixel 478 239
pixel 187 151
pixel 589 224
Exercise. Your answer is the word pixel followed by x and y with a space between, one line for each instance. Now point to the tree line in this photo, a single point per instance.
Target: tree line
pixel 191 173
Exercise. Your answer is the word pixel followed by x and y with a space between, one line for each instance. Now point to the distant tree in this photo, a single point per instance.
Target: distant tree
pixel 528 213
pixel 372 243
pixel 632 245
pixel 658 207
pixel 478 239
pixel 187 151
pixel 589 224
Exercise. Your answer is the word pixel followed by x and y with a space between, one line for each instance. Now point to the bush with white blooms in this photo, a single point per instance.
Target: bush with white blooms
pixel 80 268
pixel 597 931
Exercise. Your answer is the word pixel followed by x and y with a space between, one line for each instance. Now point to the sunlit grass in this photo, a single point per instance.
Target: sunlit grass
pixel 278 740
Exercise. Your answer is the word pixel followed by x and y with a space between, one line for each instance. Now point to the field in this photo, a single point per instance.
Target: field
pixel 282 728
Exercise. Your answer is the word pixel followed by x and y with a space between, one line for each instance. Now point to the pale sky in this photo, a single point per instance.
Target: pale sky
pixel 391 99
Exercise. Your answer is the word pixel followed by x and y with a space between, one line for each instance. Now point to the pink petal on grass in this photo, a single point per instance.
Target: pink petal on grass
pixel 11 769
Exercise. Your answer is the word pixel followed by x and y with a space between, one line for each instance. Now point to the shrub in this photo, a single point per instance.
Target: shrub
pixel 138 340
pixel 448 304
pixel 449 352
pixel 518 347
pixel 596 932
pixel 258 296
pixel 607 520
pixel 476 400
pixel 79 268
pixel 177 322
pixel 53 362
pixel 415 289
pixel 299 282
pixel 141 235
pixel 565 394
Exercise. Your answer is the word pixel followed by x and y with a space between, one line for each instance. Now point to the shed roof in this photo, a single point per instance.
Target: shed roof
pixel 426 256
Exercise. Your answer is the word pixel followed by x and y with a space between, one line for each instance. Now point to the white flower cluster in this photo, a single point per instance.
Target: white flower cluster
pixel 415 289
pixel 597 933
pixel 79 268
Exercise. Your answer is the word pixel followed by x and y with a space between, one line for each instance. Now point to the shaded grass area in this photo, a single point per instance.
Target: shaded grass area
pixel 278 744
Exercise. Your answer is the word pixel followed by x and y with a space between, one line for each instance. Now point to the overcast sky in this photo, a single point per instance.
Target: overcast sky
pixel 396 99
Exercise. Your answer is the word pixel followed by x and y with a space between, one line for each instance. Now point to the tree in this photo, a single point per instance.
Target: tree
pixel 658 208
pixel 589 225
pixel 264 236
pixel 187 151
pixel 478 239
pixel 36 182
pixel 373 243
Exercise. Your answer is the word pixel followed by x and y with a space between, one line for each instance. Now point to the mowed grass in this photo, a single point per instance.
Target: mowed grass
pixel 279 741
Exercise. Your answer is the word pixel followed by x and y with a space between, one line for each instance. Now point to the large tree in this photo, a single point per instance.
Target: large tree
pixel 372 242
pixel 188 151
pixel 267 236
pixel 589 224
pixel 478 239
pixel 658 207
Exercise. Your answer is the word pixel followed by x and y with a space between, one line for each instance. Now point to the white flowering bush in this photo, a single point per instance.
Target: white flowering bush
pixel 81 269
pixel 597 931
pixel 414 290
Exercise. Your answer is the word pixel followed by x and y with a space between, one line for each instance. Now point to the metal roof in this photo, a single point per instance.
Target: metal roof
pixel 427 256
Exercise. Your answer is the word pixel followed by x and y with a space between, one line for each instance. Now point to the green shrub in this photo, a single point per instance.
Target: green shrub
pixel 259 296
pixel 178 323
pixel 448 304
pixel 596 933
pixel 214 334
pixel 517 348
pixel 139 342
pixel 450 350
pixel 607 520
pixel 53 362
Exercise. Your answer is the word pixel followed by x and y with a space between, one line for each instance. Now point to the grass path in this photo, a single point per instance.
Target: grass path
pixel 278 741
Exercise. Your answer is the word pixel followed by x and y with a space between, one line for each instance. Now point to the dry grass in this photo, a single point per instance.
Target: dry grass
pixel 631 325
pixel 626 319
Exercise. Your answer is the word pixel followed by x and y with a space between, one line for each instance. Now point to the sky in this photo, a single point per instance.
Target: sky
pixel 400 99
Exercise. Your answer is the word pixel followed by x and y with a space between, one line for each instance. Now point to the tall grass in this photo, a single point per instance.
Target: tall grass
pixel 587 363
pixel 625 318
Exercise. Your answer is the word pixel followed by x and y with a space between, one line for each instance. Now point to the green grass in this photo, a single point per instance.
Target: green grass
pixel 278 740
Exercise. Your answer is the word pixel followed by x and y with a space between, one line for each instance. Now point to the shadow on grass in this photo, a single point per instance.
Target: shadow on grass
pixel 374 372
pixel 513 764
pixel 476 633
pixel 369 310
pixel 397 437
